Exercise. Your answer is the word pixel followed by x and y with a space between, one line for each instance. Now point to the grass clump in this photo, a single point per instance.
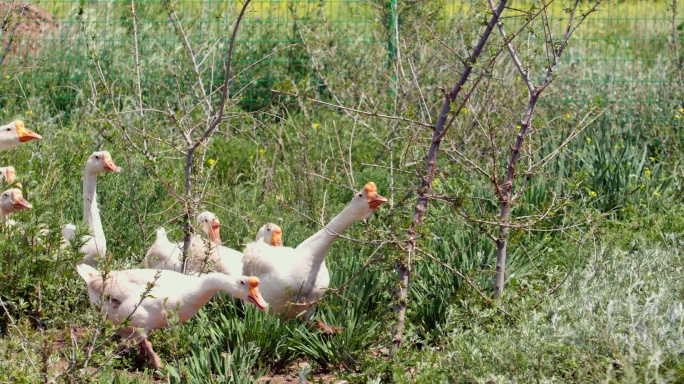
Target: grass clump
pixel 618 318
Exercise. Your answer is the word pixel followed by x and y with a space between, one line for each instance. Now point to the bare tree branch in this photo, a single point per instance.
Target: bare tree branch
pixel 12 34
pixel 534 94
pixel 190 154
pixel 402 265
pixel 354 110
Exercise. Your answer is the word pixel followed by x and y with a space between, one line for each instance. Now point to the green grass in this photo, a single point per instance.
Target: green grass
pixel 618 318
pixel 593 290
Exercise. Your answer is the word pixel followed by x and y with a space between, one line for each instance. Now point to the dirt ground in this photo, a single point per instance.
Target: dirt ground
pixel 293 377
pixel 33 29
pixel 290 376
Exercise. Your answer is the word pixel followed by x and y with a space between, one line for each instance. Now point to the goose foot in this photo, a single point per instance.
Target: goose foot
pixel 147 347
pixel 327 329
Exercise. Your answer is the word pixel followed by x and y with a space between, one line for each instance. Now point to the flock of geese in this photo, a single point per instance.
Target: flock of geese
pixel 284 280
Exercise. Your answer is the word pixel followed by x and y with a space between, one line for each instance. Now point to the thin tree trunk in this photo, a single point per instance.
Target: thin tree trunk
pixel 507 193
pixel 401 264
pixel 190 153
pixel 507 197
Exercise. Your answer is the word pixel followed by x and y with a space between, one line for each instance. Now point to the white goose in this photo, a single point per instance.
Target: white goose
pixel 164 254
pixel 299 275
pixel 12 200
pixel 8 173
pixel 230 261
pixel 124 294
pixel 15 133
pixel 271 234
pixel 95 245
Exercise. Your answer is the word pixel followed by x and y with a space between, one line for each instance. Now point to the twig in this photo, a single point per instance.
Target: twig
pixel 401 266
pixel 675 44
pixel 534 93
pixel 14 325
pixel 190 154
pixel 12 34
pixel 372 114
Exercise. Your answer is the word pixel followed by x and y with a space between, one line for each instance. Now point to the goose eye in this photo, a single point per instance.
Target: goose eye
pixel 359 195
pixel 242 282
pixel 9 129
pixel 97 157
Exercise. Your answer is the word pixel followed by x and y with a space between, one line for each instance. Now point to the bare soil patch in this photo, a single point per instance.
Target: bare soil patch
pixel 31 28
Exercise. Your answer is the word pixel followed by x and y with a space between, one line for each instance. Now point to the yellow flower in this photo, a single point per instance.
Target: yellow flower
pixel 29 112
pixel 651 158
pixel 517 79
pixel 647 172
pixel 588 140
pixel 435 182
pixel 7 77
pixel 642 186
pixel 656 194
pixel 567 115
pixel 681 110
pixel 518 127
pixel 465 110
pixel 314 125
pixel 251 157
pixel 261 152
pixel 211 162
pixel 592 193
pixel 616 146
pixel 676 116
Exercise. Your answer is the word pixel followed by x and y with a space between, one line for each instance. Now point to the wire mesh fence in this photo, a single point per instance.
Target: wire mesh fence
pixel 623 54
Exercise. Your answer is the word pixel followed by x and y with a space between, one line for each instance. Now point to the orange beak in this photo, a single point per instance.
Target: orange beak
pixel 376 200
pixel 25 134
pixel 109 165
pixel 277 238
pixel 214 232
pixel 10 174
pixel 254 296
pixel 18 201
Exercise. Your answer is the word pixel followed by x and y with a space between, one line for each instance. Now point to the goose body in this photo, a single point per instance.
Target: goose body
pixel 14 134
pixel 293 277
pixel 96 245
pixel 204 255
pixel 122 295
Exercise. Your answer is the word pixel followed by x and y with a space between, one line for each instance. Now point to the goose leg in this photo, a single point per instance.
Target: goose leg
pixel 142 356
pixel 325 328
pixel 147 346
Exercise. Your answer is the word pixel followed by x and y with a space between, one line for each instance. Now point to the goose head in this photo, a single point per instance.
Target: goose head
pixel 8 173
pixel 270 233
pixel 366 201
pixel 12 200
pixel 15 133
pixel 210 225
pixel 100 162
pixel 248 290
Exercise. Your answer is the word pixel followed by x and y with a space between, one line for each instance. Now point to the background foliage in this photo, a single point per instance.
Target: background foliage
pixel 599 299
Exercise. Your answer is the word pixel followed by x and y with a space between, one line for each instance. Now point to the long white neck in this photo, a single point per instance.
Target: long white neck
pixel 319 244
pixel 91 214
pixel 206 286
